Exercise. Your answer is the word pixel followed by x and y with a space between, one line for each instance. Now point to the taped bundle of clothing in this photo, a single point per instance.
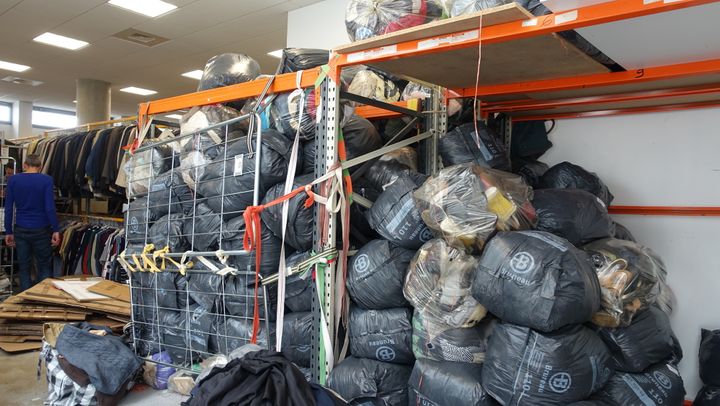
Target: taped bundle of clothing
pixel 90 250
pixel 86 161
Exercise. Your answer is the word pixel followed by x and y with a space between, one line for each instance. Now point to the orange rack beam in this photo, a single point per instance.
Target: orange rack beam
pixel 665 210
pixel 372 112
pixel 620 112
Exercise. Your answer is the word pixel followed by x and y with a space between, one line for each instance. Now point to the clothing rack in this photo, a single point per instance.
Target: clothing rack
pixel 90 218
pixel 92 126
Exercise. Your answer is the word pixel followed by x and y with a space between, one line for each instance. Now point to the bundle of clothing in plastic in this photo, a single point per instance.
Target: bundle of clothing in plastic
pixel 709 357
pixel 85 162
pixel 88 249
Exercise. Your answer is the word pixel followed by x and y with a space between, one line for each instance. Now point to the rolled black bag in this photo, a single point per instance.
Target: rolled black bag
pixel 707 396
pixel 295 59
pixel 438 284
pixel 396 218
pixel 299 232
pixel 139 219
pixel 229 69
pixel 622 233
pixel 233 233
pixel 569 176
pixel 299 287
pixel 376 275
pixel 383 173
pixel 294 111
pixel 710 357
pixel 297 338
pixel 363 381
pixel 203 228
pixel 433 339
pixel 573 214
pixel 239 173
pixel 360 137
pixel 648 340
pixel 659 385
pixel 435 383
pixel 383 335
pixel 229 333
pixel 167 231
pixel 537 280
pixel 526 367
pixel 169 194
pixel 459 146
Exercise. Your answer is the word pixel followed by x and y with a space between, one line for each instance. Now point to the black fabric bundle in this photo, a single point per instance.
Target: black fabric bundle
pixel 460 146
pixel 139 220
pixel 447 383
pixel 573 214
pixel 233 233
pixel 300 225
pixel 286 116
pixel 229 69
pixel 376 275
pixel 295 59
pixel 169 194
pixel 360 137
pixel 383 335
pixel 622 233
pixel 168 231
pixel 297 338
pixel 536 279
pixel 299 287
pixel 710 357
pixel 361 381
pixel 569 176
pixel 659 385
pixel 203 229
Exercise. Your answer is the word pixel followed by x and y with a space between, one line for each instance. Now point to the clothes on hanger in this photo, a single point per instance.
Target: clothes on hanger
pixel 90 250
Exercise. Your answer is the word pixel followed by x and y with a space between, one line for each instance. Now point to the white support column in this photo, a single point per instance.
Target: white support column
pixel 22 119
pixel 93 100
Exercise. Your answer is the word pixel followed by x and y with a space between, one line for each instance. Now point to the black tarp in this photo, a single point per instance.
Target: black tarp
pixel 536 279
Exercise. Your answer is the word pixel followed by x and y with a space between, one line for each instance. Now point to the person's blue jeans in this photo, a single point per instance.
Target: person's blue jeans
pixel 33 243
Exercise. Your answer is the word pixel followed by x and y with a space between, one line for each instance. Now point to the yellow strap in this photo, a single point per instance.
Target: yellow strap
pixel 124 263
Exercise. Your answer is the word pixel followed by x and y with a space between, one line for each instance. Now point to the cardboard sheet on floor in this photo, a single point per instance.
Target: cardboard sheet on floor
pixel 112 289
pixel 19 339
pixel 14 308
pixel 20 347
pixel 78 289
pixel 46 292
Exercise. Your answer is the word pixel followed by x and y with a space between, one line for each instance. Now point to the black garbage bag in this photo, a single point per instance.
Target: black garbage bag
pixel 360 231
pixel 360 137
pixel 169 194
pixel 308 153
pixel 299 287
pixel 203 228
pixel 659 385
pixel 438 284
pixel 299 232
pixel 710 357
pixel 435 340
pixel 230 333
pixel 162 290
pixel 209 143
pixel 229 69
pixel 297 338
pixel 295 111
pixel 383 173
pixel 396 218
pixel 622 233
pixel 295 59
pixel 526 367
pixel 173 324
pixel 139 219
pixel 233 233
pixel 447 383
pixel 376 275
pixel 460 146
pixel 648 340
pixel 363 381
pixel 384 335
pixel 707 396
pixel 536 279
pixel 167 231
pixel 573 214
pixel 368 18
pixel 631 278
pixel 238 172
pixel 529 140
pixel 569 176
pixel 238 297
pixel 464 204
pixel 530 170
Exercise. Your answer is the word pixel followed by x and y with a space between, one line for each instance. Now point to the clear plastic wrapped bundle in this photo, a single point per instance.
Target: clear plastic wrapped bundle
pixel 438 284
pixel 416 91
pixel 405 155
pixel 631 278
pixel 373 85
pixel 368 18
pixel 228 69
pixel 464 204
pixel 210 142
pixel 295 111
pixel 455 8
pixel 435 340
pixel 144 166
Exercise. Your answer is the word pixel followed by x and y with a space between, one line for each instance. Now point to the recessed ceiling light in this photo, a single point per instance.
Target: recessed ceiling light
pixel 75 101
pixel 174 116
pixel 195 74
pixel 138 90
pixel 276 54
pixel 15 67
pixel 150 8
pixel 60 41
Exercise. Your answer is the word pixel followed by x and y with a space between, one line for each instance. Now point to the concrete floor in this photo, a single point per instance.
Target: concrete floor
pixel 19 385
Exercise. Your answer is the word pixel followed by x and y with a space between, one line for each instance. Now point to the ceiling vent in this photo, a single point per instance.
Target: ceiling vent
pixel 20 81
pixel 140 37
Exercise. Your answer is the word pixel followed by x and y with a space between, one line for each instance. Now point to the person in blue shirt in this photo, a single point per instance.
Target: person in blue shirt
pixel 36 229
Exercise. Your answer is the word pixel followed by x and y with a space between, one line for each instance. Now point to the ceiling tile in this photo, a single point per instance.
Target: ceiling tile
pixel 100 22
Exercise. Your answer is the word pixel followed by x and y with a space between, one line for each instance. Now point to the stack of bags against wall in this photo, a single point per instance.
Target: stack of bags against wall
pixel 709 354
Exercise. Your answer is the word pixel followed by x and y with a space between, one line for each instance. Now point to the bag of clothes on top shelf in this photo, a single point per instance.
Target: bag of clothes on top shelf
pixel 466 203
pixel 294 113
pixel 297 59
pixel 464 145
pixel 536 279
pixel 371 83
pixel 228 181
pixel 228 69
pixel 361 381
pixel 573 214
pixel 368 18
pixel 454 8
pixel 569 176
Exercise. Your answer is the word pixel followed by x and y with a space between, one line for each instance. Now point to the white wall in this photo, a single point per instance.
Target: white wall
pixel 662 159
pixel 321 25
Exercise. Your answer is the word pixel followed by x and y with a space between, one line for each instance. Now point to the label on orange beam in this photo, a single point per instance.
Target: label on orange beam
pixel 566 17
pixel 530 23
pixel 448 39
pixel 650 1
pixel 372 53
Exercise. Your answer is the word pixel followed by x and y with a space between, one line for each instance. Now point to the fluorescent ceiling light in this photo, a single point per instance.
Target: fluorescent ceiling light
pixel 174 116
pixel 150 8
pixel 15 67
pixel 195 74
pixel 276 54
pixel 60 41
pixel 138 90
pixel 75 101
